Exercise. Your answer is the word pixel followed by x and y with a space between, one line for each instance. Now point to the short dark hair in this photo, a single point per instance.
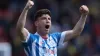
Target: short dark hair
pixel 40 12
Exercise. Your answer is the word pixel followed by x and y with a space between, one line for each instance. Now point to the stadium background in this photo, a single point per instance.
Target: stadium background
pixel 65 14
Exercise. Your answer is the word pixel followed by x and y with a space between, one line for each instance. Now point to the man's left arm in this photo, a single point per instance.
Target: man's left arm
pixel 79 26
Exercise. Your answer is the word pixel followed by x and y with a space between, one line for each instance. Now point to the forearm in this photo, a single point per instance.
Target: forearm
pixel 22 19
pixel 80 24
pixel 21 31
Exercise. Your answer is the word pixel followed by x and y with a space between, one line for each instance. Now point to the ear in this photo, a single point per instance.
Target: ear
pixel 36 23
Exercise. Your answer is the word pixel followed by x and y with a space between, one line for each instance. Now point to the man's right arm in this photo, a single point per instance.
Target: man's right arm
pixel 21 31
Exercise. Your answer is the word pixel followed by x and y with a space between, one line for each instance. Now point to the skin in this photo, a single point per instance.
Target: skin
pixel 42 21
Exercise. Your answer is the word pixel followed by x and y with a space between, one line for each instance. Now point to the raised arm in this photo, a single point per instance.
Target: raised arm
pixel 21 31
pixel 79 26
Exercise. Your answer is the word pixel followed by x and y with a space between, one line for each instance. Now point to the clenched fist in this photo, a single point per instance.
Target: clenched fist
pixel 29 4
pixel 84 9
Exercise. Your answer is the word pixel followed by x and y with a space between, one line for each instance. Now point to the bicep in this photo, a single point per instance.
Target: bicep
pixel 23 34
pixel 69 35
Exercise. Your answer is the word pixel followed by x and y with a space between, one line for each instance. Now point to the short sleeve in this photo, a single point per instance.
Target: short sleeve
pixel 28 40
pixel 62 37
pixel 28 35
pixel 59 36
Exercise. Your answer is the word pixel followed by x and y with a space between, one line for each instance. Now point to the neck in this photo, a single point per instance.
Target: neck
pixel 43 35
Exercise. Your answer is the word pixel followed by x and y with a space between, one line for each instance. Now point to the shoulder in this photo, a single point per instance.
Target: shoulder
pixel 33 36
pixel 55 34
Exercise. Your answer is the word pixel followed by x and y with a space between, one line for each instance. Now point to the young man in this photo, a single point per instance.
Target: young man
pixel 42 43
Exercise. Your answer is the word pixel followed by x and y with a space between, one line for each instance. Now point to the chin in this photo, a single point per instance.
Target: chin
pixel 47 32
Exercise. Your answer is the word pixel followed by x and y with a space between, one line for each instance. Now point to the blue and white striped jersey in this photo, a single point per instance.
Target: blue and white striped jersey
pixel 35 45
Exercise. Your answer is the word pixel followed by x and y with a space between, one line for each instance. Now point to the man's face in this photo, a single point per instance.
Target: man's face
pixel 44 23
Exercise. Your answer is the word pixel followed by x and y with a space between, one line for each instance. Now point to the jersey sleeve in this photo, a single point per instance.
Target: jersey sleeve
pixel 29 40
pixel 60 36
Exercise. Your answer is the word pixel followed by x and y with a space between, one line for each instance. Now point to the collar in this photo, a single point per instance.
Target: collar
pixel 42 36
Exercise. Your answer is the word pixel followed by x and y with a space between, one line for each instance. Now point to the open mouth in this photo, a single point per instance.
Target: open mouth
pixel 47 26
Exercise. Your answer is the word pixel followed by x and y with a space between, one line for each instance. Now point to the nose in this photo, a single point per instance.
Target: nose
pixel 47 20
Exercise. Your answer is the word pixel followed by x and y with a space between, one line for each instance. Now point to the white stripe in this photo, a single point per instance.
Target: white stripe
pixel 47 47
pixel 52 44
pixel 27 38
pixel 40 47
pixel 33 49
pixel 26 52
pixel 61 42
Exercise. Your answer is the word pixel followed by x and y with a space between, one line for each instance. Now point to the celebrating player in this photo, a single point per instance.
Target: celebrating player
pixel 42 43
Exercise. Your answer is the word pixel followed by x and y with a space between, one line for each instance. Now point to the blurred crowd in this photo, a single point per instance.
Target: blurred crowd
pixel 65 14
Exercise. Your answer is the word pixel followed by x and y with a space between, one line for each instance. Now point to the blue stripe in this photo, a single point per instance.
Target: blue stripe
pixel 54 40
pixel 47 44
pixel 58 35
pixel 30 49
pixel 37 46
pixel 43 46
pixel 27 50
